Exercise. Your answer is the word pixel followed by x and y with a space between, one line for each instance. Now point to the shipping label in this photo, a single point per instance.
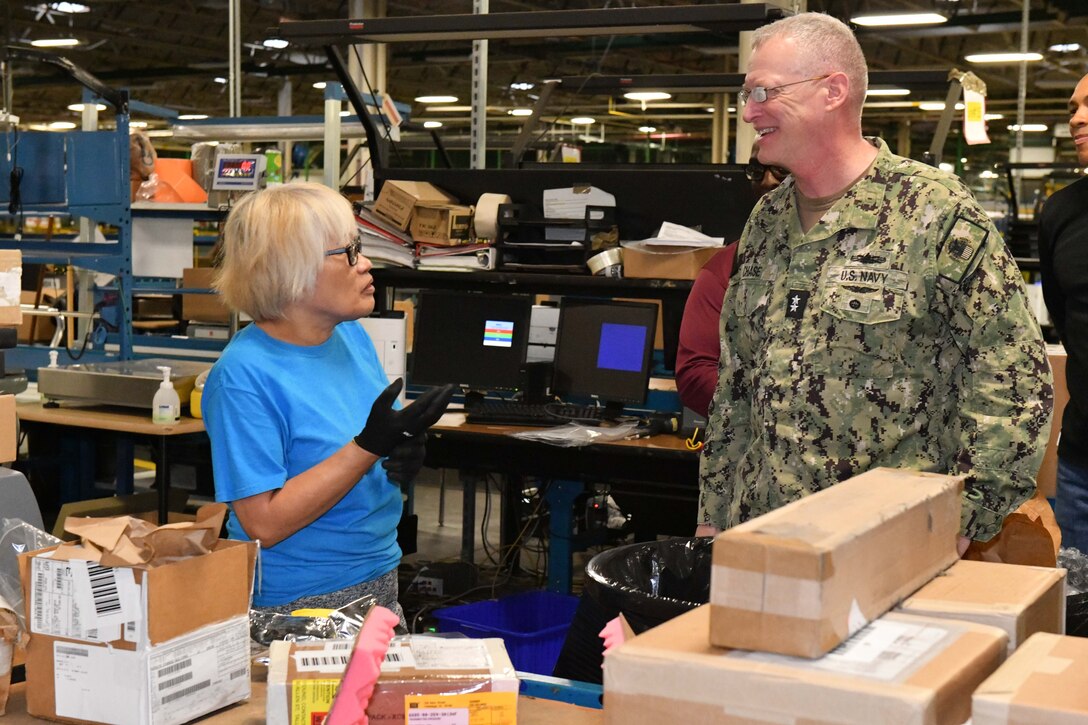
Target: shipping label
pixel 478 708
pixel 82 600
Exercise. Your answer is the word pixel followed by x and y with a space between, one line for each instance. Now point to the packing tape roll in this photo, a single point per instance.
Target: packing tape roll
pixel 486 220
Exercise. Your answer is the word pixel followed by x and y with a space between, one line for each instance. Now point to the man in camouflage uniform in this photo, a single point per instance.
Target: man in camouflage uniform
pixel 875 319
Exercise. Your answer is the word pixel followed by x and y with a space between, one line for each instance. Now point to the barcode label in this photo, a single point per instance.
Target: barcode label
pixel 398 657
pixel 392 657
pixel 240 672
pixel 77 651
pixel 311 663
pixel 104 589
pixel 167 684
pixel 177 666
pixel 167 699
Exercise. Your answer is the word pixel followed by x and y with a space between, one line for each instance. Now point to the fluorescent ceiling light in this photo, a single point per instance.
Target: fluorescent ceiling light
pixel 137 124
pixel 432 124
pixel 647 96
pixel 945 166
pixel 1065 47
pixel 874 21
pixel 647 129
pixel 522 86
pixel 936 106
pixel 520 112
pixel 275 43
pixel 62 125
pixel 583 120
pixel 1002 57
pixel 992 116
pixel 890 104
pixel 220 79
pixel 888 92
pixel 320 85
pixel 436 99
pixel 451 109
pixel 1029 127
pixel 987 174
pixel 345 114
pixel 731 109
pixel 55 42
pixel 78 107
pixel 67 8
pixel 192 116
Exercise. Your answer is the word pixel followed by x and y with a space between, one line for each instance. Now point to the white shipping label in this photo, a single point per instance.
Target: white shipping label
pixel 437 653
pixel 331 657
pixel 63 604
pixel 398 656
pixel 97 683
pixel 445 716
pixel 884 650
pixel 200 672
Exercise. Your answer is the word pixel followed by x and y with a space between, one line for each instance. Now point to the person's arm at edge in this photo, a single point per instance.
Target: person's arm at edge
pixel 699 345
pixel 727 433
pixel 1006 419
pixel 1052 293
pixel 272 516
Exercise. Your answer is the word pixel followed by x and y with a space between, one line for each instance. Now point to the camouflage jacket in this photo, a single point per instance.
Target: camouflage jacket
pixel 895 333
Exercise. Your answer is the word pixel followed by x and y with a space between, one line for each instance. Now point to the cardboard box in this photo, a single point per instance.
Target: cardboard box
pixel 649 261
pixel 1047 478
pixel 1019 600
pixel 202 307
pixel 900 669
pixel 11 284
pixel 398 199
pixel 9 443
pixel 44 327
pixel 162 645
pixel 801 579
pixel 425 673
pixel 445 224
pixel 1041 684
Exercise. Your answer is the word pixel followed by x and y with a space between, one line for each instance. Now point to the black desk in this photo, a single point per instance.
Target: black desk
pixel 672 293
pixel 656 480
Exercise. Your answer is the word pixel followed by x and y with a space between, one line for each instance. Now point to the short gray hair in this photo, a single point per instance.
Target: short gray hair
pixel 827 45
pixel 274 244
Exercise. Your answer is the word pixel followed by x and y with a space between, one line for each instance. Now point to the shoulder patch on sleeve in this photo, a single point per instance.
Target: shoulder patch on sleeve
pixel 960 249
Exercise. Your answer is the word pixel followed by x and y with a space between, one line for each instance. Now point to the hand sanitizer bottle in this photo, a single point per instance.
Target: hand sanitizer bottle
pixel 165 406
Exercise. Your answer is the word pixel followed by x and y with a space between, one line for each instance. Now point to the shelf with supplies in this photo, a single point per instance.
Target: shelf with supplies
pixel 528 241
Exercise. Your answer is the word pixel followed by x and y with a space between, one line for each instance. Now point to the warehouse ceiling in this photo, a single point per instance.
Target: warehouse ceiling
pixel 175 55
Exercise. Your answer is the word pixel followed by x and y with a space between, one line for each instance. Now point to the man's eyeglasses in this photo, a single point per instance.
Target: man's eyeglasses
pixel 353 250
pixel 759 94
pixel 755 172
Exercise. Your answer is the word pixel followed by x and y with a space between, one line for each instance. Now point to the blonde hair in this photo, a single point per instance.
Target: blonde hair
pixel 826 45
pixel 274 244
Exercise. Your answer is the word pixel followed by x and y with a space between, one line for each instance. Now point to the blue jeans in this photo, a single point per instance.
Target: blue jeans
pixel 1071 506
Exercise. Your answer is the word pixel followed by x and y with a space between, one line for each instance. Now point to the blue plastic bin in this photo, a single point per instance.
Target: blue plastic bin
pixel 532 624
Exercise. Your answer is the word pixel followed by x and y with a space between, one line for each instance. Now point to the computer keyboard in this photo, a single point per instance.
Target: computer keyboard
pixel 540 414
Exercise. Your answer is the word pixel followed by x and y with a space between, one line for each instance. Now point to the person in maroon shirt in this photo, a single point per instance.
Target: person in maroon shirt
pixel 699 348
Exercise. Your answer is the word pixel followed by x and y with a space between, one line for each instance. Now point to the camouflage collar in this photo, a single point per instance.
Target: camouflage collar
pixel 859 208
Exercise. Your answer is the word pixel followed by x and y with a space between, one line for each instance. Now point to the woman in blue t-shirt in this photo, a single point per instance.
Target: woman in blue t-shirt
pixel 284 403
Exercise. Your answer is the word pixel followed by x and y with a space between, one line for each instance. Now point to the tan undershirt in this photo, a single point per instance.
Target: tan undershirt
pixel 811 210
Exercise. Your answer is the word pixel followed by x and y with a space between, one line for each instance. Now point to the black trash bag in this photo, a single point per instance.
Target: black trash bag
pixel 1076 615
pixel 648 583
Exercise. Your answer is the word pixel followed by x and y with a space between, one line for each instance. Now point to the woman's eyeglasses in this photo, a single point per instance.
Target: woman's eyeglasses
pixel 756 171
pixel 353 250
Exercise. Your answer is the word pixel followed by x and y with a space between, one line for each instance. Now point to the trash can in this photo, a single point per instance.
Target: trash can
pixel 649 583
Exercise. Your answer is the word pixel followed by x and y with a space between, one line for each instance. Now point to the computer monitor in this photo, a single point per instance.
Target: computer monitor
pixel 477 341
pixel 604 349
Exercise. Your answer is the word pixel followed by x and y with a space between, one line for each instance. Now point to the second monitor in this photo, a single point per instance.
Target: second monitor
pixel 604 350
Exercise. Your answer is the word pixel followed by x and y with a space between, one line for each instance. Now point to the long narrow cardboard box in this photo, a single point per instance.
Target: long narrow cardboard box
pixel 1021 600
pixel 801 579
pixel 900 670
pixel 1042 683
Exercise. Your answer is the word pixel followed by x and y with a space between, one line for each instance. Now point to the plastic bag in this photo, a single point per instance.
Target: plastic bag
pixel 147 189
pixel 343 623
pixel 18 537
pixel 573 435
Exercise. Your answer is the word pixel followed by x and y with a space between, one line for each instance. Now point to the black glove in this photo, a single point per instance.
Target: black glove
pixel 403 463
pixel 386 428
